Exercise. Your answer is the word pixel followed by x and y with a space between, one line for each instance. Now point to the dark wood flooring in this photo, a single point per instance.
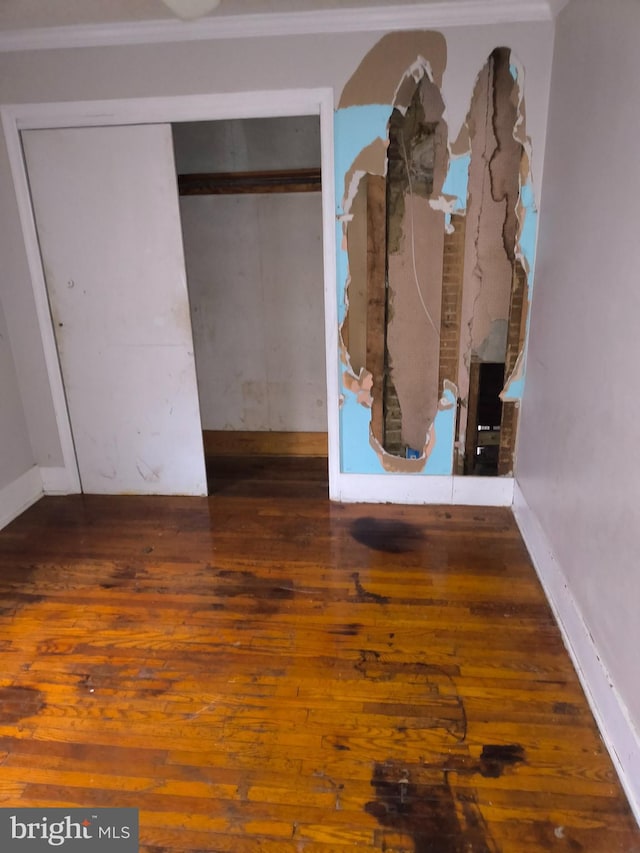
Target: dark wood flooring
pixel 268 476
pixel 261 670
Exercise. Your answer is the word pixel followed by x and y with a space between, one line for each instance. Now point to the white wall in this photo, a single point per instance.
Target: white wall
pixel 255 273
pixel 245 145
pixel 16 295
pixel 579 454
pixel 233 65
pixel 15 451
pixel 254 267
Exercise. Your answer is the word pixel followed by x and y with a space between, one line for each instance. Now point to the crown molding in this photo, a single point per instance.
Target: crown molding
pixel 368 19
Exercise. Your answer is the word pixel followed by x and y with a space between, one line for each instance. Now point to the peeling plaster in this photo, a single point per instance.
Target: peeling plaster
pixel 417 165
pixel 529 229
pixel 372 160
pixel 361 139
pixel 514 386
pixel 527 214
pixel 436 458
pixel 386 80
pixel 525 251
pixel 413 330
pixel 453 198
pixel 499 149
pixel 360 386
pixel 440 461
pixel 355 130
pixel 488 267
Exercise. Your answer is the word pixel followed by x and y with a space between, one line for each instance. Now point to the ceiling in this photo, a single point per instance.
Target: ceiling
pixel 32 14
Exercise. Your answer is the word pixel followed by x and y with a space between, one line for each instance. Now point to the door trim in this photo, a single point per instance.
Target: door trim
pixel 169 110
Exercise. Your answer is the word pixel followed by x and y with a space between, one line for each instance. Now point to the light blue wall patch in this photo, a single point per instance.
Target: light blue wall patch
pixel 354 129
pixel 440 462
pixel 342 271
pixel 514 389
pixel 356 454
pixel 529 231
pixel 457 181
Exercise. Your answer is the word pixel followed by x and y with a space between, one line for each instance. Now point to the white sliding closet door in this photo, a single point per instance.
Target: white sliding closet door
pixel 107 216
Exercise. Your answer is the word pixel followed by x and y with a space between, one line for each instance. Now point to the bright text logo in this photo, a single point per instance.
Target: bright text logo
pixel 70 830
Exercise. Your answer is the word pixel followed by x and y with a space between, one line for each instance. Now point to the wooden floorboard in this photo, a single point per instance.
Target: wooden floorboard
pixel 268 475
pixel 264 443
pixel 262 670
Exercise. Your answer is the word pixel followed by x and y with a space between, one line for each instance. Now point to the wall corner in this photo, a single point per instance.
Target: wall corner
pixel 618 731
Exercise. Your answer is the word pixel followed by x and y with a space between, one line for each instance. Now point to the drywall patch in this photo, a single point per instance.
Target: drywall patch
pixel 393 59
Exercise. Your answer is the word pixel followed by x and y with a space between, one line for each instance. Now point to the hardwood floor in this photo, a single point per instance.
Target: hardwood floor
pixel 268 476
pixel 261 670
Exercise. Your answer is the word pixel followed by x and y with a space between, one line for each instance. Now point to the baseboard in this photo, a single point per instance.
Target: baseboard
pixel 19 495
pixel 392 489
pixel 55 481
pixel 422 489
pixel 264 443
pixel 482 491
pixel 618 732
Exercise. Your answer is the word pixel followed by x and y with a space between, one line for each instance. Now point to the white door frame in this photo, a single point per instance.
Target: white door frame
pixel 170 110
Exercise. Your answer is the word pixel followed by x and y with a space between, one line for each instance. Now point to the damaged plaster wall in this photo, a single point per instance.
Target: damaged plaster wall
pixel 486 180
pixel 412 261
pixel 417 159
pixel 494 139
pixel 491 216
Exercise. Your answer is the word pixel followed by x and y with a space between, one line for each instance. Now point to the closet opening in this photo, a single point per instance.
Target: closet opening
pixel 251 214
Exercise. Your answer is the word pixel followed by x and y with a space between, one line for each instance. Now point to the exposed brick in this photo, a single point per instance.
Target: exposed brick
pixel 453 265
pixel 515 342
